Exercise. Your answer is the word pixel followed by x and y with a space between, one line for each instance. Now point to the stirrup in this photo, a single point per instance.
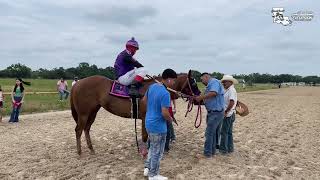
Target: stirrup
pixel 134 91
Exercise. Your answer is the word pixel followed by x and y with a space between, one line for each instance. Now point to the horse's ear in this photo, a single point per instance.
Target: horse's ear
pixel 190 74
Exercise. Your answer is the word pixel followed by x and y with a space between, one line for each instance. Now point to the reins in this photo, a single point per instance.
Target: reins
pixel 190 107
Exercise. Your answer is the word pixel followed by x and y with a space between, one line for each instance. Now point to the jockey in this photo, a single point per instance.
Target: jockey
pixel 128 70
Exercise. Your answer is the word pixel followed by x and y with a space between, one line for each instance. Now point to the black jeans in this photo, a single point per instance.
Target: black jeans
pixel 169 133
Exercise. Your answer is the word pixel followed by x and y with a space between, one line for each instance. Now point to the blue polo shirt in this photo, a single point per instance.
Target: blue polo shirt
pixel 216 103
pixel 157 98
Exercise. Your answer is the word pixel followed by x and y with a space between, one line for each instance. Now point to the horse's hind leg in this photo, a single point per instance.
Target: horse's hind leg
pixel 79 128
pixel 90 121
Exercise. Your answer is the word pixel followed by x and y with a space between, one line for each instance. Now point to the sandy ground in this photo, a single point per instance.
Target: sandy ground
pixel 279 139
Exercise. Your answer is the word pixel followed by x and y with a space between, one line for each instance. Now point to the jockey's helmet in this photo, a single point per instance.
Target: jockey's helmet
pixel 132 42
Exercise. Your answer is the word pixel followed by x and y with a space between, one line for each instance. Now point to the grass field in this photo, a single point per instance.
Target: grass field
pixel 37 85
pixel 34 103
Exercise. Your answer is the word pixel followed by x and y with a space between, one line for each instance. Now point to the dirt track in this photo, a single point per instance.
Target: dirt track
pixel 279 139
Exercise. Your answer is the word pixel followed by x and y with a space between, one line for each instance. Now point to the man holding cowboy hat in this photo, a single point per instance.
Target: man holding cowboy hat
pixel 230 98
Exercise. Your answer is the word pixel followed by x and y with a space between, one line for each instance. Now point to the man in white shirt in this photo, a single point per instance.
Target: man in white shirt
pixel 230 98
pixel 74 81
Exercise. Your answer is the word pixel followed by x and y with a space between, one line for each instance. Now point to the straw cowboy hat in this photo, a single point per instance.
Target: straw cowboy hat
pixel 229 78
pixel 242 109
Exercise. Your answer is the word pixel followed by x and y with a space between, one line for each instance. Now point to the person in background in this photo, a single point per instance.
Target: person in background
pixel 214 103
pixel 157 99
pixel 243 84
pixel 1 103
pixel 172 133
pixel 17 97
pixel 62 88
pixel 75 80
pixel 171 137
pixel 230 98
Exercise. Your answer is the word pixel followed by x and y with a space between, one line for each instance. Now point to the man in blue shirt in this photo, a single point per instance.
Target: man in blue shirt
pixel 214 102
pixel 157 99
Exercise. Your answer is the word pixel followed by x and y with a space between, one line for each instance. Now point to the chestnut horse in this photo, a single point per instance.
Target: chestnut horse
pixel 90 94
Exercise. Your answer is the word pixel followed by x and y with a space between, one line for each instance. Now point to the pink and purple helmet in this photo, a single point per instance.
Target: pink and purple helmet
pixel 133 42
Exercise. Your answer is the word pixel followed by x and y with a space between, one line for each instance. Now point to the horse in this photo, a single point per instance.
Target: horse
pixel 90 94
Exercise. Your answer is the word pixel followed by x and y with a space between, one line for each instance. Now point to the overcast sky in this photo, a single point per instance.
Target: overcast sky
pixel 227 36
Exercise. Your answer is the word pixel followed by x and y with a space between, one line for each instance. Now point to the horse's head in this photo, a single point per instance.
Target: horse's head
pixel 186 84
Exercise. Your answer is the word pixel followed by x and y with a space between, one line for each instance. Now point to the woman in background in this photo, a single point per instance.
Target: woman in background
pixel 17 97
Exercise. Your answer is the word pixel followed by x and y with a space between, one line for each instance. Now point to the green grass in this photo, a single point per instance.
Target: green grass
pixel 34 103
pixel 37 85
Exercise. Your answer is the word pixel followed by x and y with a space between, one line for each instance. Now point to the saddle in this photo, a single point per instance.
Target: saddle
pixel 122 91
pixel 127 92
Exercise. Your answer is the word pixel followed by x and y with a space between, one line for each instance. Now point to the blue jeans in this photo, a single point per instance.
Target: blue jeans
pixel 64 93
pixel 155 153
pixel 212 132
pixel 15 110
pixel 226 144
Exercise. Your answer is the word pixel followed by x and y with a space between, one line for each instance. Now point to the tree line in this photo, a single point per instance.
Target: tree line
pixel 84 69
pixel 266 78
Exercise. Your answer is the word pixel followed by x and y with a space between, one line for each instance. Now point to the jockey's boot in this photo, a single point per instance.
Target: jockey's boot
pixel 134 90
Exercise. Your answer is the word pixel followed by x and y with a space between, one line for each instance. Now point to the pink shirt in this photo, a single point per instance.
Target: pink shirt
pixel 62 85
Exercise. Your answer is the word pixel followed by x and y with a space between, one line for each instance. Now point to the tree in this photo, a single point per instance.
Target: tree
pixel 311 79
pixel 217 75
pixel 17 70
pixel 197 75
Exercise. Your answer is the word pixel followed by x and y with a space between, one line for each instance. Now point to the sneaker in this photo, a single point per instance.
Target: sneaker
pixel 158 177
pixel 145 172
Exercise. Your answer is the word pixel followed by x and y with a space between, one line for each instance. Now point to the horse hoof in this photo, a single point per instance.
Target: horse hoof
pixel 144 152
pixel 81 156
pixel 79 153
pixel 92 152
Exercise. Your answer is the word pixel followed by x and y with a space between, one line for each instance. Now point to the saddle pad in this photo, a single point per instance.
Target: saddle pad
pixel 119 90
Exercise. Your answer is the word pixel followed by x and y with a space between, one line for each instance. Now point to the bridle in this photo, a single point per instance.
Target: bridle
pixel 187 97
pixel 190 99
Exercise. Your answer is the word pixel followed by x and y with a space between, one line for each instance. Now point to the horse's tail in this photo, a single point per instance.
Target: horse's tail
pixel 73 110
